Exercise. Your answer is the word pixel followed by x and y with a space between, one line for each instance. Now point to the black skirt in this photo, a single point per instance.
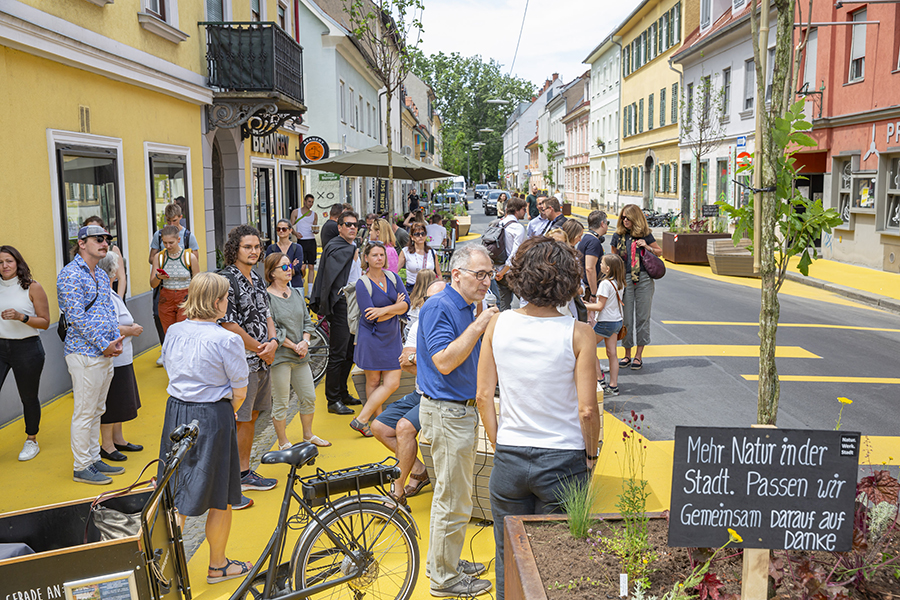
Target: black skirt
pixel 210 475
pixel 123 399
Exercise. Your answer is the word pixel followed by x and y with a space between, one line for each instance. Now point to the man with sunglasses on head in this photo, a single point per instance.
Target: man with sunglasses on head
pixel 447 351
pixel 92 340
pixel 339 268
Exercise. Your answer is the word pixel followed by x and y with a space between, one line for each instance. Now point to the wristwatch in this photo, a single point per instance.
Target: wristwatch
pixel 25 318
pixel 411 358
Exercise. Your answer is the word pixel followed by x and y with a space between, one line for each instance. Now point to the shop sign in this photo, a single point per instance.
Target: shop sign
pixel 381 196
pixel 313 149
pixel 329 177
pixel 274 143
pixel 790 489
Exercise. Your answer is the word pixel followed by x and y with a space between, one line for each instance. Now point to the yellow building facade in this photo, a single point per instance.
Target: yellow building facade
pixel 108 111
pixel 650 93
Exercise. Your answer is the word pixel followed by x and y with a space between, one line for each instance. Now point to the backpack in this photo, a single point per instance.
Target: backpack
pixel 163 257
pixel 494 239
pixel 353 312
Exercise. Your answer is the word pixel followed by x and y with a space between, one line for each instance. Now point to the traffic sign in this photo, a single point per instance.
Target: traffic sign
pixel 742 141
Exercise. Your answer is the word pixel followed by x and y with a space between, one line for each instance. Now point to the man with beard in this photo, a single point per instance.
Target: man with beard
pixel 248 316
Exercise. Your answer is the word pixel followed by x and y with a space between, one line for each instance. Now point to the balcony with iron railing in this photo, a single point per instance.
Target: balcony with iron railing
pixel 255 61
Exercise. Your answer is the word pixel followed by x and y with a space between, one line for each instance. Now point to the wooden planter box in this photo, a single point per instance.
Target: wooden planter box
pixel 680 248
pixel 520 570
pixel 484 463
pixel 464 223
pixel 567 209
pixel 727 259
pixel 407 385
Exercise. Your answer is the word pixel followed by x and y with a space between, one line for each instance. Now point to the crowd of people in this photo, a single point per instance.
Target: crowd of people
pixel 236 343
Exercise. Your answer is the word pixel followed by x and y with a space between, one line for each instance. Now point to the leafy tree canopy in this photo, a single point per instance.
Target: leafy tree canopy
pixel 463 85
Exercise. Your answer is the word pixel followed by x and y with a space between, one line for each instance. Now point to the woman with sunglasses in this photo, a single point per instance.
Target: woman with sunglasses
pixel 378 341
pixel 292 250
pixel 631 239
pixel 290 368
pixel 418 256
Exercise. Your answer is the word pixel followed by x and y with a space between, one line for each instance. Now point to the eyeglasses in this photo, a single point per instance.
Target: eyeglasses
pixel 480 275
pixel 351 224
pixel 286 268
pixel 376 243
pixel 419 234
pixel 101 239
pixel 283 228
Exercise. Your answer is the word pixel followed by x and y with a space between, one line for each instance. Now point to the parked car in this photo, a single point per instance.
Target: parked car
pixel 493 185
pixel 444 201
pixel 490 201
pixel 481 190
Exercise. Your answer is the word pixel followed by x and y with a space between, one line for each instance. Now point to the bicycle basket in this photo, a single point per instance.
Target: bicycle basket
pixel 317 488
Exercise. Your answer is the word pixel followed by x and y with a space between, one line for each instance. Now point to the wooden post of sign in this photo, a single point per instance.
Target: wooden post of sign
pixel 755 571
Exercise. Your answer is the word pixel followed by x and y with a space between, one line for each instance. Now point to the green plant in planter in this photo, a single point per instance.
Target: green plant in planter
pixel 631 542
pixel 577 498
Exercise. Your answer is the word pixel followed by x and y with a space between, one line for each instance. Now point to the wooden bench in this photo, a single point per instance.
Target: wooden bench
pixel 407 385
pixel 727 259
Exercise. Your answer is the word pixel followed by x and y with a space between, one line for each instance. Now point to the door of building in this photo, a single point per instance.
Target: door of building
pixel 262 213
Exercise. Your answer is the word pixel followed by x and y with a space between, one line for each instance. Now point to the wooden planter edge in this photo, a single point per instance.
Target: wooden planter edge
pixel 522 579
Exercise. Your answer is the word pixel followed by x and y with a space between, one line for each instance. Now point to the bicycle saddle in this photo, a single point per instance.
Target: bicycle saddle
pixel 297 455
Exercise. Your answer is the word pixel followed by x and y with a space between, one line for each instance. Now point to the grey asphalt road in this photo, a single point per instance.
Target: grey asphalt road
pixel 697 377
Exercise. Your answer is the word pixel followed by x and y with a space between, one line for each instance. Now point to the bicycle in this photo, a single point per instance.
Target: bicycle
pixel 318 350
pixel 356 545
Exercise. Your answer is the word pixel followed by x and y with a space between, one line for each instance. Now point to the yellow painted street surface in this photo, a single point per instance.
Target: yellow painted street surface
pixel 717 350
pixel 48 478
pixel 830 379
pixel 784 325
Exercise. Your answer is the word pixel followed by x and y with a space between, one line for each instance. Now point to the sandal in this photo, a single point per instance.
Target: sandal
pixel 400 500
pixel 245 568
pixel 317 441
pixel 637 364
pixel 362 428
pixel 624 362
pixel 414 488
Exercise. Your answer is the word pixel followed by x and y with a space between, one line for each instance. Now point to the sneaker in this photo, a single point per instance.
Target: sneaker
pixel 253 481
pixel 604 368
pixel 108 469
pixel 466 587
pixel 92 476
pixel 612 391
pixel 472 569
pixel 159 361
pixel 245 503
pixel 29 450
pixel 362 428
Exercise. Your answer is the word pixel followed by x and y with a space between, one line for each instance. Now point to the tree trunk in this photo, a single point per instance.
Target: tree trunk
pixel 390 185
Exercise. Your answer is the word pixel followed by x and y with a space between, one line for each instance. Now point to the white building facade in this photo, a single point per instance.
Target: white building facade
pixel 521 127
pixel 720 49
pixel 604 124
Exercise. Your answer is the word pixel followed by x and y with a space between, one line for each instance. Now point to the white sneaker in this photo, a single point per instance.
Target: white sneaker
pixel 159 361
pixel 604 368
pixel 29 450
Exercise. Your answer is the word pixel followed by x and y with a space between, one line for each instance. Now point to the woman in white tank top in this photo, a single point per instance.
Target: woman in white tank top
pixel 549 423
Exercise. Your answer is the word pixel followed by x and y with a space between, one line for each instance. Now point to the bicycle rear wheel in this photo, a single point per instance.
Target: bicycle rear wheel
pixel 386 541
pixel 318 354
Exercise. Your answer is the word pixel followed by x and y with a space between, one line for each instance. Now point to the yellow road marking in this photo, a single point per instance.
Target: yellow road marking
pixel 727 350
pixel 471 236
pixel 795 325
pixel 829 379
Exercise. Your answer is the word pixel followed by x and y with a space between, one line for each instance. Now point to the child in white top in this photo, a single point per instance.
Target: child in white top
pixel 609 319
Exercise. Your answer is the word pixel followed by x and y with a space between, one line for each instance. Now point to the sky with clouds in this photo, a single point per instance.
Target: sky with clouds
pixel 557 36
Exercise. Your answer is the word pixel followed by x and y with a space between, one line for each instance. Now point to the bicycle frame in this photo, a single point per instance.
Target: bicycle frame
pixel 274 549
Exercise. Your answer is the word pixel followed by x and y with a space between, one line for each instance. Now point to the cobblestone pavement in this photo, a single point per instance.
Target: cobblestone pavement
pixel 264 438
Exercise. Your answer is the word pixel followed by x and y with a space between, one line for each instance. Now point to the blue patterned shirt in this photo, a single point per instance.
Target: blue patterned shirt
pixel 91 332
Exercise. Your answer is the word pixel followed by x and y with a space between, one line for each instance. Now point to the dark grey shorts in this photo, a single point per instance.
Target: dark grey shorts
pixel 259 395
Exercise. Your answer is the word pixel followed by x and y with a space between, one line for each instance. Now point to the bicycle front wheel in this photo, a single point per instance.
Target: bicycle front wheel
pixel 318 354
pixel 385 541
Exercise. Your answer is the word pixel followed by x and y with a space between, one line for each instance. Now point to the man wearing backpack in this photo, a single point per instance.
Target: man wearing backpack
pixel 513 235
pixel 174 215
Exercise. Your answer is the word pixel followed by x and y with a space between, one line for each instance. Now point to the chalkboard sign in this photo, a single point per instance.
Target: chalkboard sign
pixel 788 489
pixel 710 210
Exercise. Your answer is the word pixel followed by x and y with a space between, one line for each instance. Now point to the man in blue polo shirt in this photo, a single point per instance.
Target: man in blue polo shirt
pixel 448 346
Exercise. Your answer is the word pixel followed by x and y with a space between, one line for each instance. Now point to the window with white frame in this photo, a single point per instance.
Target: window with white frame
pixel 858 48
pixel 705 13
pixel 215 10
pixel 662 107
pixel 168 183
pixel 726 91
pixel 650 112
pixel 749 84
pixel 343 102
pixel 350 105
pixel 361 116
pixel 255 10
pixel 282 16
pixel 809 65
